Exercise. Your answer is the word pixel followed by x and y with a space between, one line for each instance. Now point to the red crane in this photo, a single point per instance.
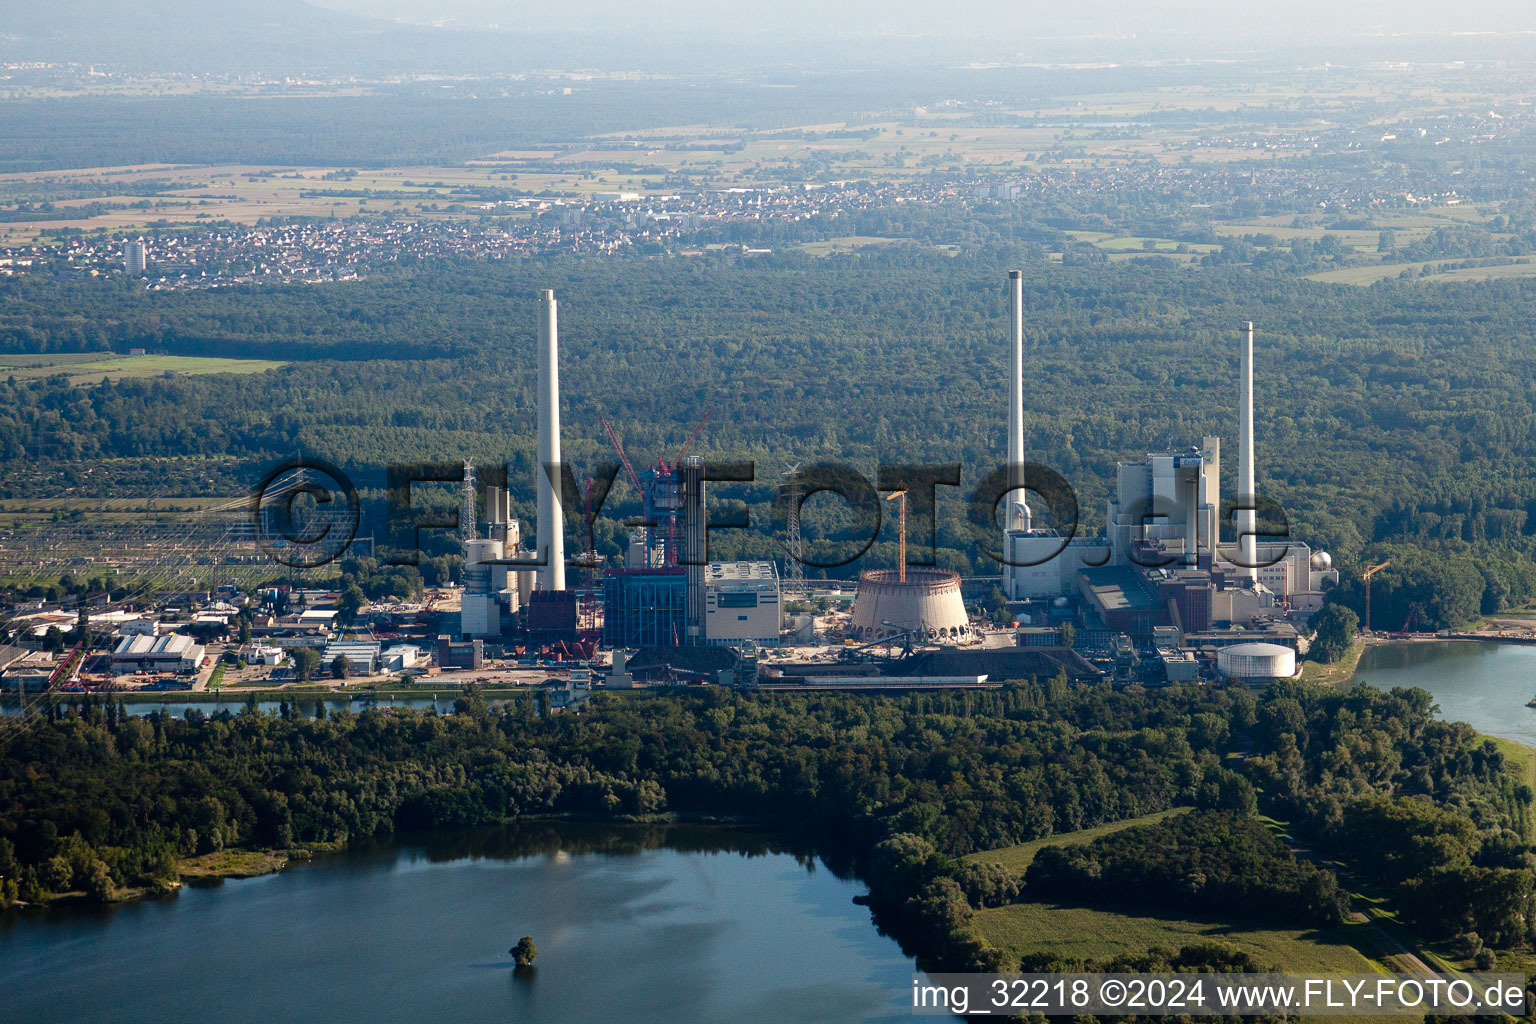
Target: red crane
pixel 686 444
pixel 618 446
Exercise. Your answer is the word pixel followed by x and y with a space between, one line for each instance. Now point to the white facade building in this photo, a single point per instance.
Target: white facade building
pixel 741 602
pixel 401 657
pixel 173 653
pixel 362 657
pixel 1173 497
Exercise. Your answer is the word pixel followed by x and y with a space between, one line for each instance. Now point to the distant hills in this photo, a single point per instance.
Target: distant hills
pixel 340 38
pixel 271 36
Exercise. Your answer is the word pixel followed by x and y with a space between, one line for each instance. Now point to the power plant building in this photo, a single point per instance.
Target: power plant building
pixel 645 608
pixel 741 603
pixel 493 592
pixel 1173 497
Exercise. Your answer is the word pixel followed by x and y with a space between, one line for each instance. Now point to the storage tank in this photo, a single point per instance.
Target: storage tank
pixel 927 604
pixel 1256 662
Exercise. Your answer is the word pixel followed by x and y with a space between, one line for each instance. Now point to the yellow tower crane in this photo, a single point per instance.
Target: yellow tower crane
pixel 901 564
pixel 1365 578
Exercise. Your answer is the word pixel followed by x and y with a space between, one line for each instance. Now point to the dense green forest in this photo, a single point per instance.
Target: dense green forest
pixel 1393 421
pixel 95 800
pixel 1215 861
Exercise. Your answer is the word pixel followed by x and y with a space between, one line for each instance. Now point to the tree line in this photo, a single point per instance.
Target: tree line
pixel 99 802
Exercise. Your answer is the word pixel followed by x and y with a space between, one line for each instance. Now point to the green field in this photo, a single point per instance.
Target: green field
pixel 1017 858
pixel 1522 759
pixel 1094 933
pixel 1088 933
pixel 84 368
pixel 1367 274
pixel 847 243
pixel 1372 273
pixel 1502 272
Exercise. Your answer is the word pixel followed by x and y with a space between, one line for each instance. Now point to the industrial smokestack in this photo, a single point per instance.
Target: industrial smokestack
pixel 690 475
pixel 1246 519
pixel 1017 506
pixel 550 531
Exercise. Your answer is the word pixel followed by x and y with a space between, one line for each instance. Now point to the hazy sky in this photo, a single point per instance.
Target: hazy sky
pixel 1317 20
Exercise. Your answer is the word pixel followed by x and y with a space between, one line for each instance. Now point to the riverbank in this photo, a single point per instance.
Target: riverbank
pixel 1344 670
pixel 1340 671
pixel 238 863
pixel 241 862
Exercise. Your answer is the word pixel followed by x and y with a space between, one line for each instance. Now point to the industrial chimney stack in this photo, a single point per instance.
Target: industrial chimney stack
pixel 690 477
pixel 550 530
pixel 1017 516
pixel 1246 519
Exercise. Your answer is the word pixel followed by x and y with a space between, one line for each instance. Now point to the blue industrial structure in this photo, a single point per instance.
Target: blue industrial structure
pixel 645 607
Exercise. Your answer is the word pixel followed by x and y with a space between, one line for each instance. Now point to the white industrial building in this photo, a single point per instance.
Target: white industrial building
pixel 262 654
pixel 362 656
pixel 1042 568
pixel 173 653
pixel 741 603
pixel 1173 497
pixel 493 592
pixel 400 657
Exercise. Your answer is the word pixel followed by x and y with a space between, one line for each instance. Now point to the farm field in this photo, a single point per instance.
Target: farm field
pixel 1499 273
pixel 1368 275
pixel 91 368
pixel 1090 933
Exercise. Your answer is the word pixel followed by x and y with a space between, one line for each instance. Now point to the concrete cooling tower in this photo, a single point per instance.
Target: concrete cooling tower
pixel 927 604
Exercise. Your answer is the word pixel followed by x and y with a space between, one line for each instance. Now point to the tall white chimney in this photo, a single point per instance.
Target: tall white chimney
pixel 1246 519
pixel 1017 506
pixel 550 530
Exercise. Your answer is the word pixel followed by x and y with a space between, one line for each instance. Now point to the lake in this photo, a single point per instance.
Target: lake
pixel 1483 684
pixel 680 924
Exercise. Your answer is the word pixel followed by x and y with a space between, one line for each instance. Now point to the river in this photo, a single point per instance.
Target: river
pixel 688 923
pixel 1483 684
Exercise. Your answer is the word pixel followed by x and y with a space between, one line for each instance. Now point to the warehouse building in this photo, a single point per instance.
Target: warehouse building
pixel 173 653
pixel 362 657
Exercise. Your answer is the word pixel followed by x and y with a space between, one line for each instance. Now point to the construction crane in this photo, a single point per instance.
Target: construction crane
pixel 901 562
pixel 618 446
pixel 671 467
pixel 1365 577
